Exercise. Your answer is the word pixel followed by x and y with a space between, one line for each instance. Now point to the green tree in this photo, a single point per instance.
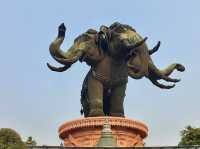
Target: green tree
pixel 30 142
pixel 10 139
pixel 190 136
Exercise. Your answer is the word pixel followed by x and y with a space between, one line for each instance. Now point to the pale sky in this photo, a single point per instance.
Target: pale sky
pixel 35 101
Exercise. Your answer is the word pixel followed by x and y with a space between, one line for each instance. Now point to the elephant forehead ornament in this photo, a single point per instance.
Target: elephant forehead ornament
pixel 113 54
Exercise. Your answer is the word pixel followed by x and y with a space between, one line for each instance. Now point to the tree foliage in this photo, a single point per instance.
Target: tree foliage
pixel 190 136
pixel 30 142
pixel 10 139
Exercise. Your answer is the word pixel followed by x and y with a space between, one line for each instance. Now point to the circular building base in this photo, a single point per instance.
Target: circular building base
pixel 86 132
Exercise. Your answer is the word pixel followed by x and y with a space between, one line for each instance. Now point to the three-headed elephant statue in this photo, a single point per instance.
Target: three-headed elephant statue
pixel 113 53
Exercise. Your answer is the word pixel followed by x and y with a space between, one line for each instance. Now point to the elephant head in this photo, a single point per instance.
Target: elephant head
pixel 85 48
pixel 116 43
pixel 127 44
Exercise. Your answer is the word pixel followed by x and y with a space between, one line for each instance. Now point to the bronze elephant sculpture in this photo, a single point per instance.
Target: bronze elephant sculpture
pixel 113 54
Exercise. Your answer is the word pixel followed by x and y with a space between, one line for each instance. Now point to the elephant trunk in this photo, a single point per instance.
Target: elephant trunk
pixel 68 58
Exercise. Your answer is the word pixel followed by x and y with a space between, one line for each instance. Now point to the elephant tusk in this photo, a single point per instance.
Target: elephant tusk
pixel 168 79
pixel 58 69
pixel 162 86
pixel 155 48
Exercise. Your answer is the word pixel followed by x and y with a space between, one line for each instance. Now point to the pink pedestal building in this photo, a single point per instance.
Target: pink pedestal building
pixel 86 132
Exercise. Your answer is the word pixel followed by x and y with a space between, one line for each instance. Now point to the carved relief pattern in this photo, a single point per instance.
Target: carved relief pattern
pixel 86 132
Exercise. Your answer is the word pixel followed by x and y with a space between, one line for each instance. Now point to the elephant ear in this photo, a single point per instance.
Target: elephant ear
pixel 92 54
pixel 103 37
pixel 138 61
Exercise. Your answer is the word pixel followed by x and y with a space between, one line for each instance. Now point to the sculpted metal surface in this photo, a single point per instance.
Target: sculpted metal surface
pixel 113 54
